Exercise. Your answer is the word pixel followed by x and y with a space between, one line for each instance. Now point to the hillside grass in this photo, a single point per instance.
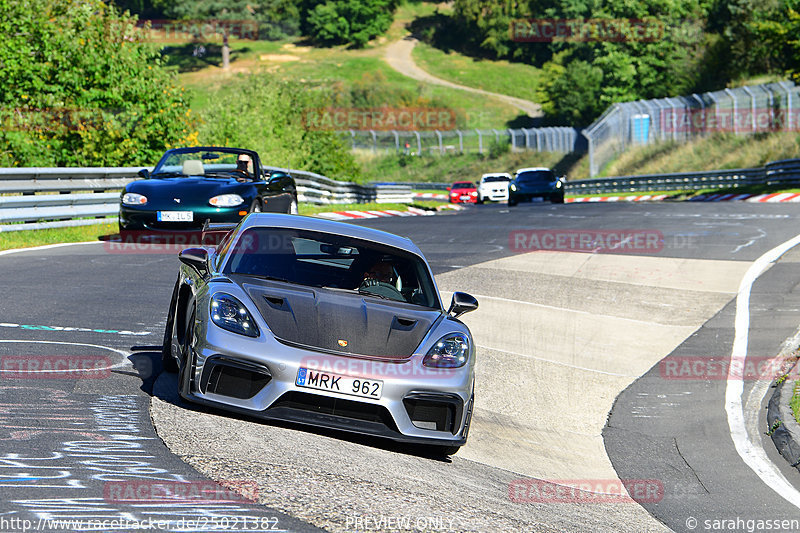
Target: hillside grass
pixel 718 152
pixel 449 168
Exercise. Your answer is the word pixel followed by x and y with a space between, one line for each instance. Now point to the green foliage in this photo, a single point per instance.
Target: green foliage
pixel 349 21
pixel 81 89
pixel 276 128
pixel 276 19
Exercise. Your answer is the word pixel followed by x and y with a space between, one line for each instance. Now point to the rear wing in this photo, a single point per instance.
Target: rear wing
pixel 213 233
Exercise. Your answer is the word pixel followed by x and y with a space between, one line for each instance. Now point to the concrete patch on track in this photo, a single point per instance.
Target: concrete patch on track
pixel 552 361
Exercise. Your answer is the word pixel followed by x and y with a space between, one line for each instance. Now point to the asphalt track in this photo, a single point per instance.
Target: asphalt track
pixel 67 439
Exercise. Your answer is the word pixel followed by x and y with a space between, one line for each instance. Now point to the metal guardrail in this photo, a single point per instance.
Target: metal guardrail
pixel 37 198
pixel 777 173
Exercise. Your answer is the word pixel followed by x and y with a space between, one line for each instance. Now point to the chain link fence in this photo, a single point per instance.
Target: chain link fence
pixel 744 110
pixel 561 140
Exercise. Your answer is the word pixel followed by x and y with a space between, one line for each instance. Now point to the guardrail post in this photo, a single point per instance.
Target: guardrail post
pixel 396 142
pixel 733 115
pixel 527 138
pixel 513 141
pixel 419 143
pixel 460 142
pixel 480 141
pixel 374 141
pixel 752 107
pixel 496 137
pixel 352 139
pixel 441 146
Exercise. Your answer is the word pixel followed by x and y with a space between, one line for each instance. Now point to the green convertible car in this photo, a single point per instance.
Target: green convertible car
pixel 190 186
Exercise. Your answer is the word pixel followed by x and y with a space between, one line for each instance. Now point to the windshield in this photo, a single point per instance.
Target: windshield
pixel 316 259
pixel 536 176
pixel 463 185
pixel 489 179
pixel 211 163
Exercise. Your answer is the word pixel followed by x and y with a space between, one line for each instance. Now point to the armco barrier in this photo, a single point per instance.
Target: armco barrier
pixel 36 198
pixel 777 173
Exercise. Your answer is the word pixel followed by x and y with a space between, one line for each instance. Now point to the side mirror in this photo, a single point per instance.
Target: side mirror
pixel 197 258
pixel 462 303
pixel 449 189
pixel 144 173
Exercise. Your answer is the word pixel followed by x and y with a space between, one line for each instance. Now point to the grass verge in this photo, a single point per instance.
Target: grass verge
pixel 794 402
pixel 95 232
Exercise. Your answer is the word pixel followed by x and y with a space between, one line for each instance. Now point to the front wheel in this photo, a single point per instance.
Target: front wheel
pixel 167 361
pixel 557 199
pixel 292 210
pixel 449 450
pixel 480 200
pixel 255 207
pixel 512 202
pixel 186 373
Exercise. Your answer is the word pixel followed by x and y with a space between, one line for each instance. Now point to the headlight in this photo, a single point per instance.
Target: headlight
pixel 131 198
pixel 228 313
pixel 474 193
pixel 451 351
pixel 226 200
pixel 558 184
pixel 512 187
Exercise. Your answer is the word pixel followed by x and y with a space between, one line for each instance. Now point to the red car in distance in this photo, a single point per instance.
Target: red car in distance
pixel 463 192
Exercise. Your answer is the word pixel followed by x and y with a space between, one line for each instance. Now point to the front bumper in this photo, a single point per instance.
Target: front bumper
pixel 417 404
pixel 132 218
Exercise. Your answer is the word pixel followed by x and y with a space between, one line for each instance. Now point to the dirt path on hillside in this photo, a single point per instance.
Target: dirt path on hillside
pixel 398 55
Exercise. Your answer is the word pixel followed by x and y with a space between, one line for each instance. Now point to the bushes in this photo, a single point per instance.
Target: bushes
pixel 269 116
pixel 81 89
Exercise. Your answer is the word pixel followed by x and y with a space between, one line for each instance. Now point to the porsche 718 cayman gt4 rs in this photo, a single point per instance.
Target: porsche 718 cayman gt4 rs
pixel 323 323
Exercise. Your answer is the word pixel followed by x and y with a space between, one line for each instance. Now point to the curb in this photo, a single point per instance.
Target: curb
pixel 642 198
pixel 769 198
pixel 356 215
pixel 786 437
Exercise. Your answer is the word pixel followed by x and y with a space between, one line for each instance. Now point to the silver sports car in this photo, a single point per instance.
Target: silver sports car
pixel 322 323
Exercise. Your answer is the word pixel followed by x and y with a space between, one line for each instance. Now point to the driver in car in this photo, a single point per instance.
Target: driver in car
pixel 244 164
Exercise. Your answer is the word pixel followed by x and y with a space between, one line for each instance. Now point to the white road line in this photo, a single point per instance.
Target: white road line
pixel 46 246
pixel 753 455
pixel 545 306
pixel 122 363
pixel 559 363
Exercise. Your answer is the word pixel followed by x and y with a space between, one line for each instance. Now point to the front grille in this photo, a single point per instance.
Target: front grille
pixel 233 378
pixel 314 403
pixel 432 411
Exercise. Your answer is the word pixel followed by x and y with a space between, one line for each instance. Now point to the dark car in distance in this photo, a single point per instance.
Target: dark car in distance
pixel 190 186
pixel 535 183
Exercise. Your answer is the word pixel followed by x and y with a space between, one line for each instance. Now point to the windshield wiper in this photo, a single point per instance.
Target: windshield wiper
pixel 262 276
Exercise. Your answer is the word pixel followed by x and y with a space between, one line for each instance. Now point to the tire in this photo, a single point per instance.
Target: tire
pixel 255 207
pixel 480 200
pixel 512 202
pixel 557 199
pixel 292 210
pixel 168 362
pixel 187 366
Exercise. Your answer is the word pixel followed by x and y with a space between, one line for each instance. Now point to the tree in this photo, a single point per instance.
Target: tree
pixel 80 88
pixel 349 21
